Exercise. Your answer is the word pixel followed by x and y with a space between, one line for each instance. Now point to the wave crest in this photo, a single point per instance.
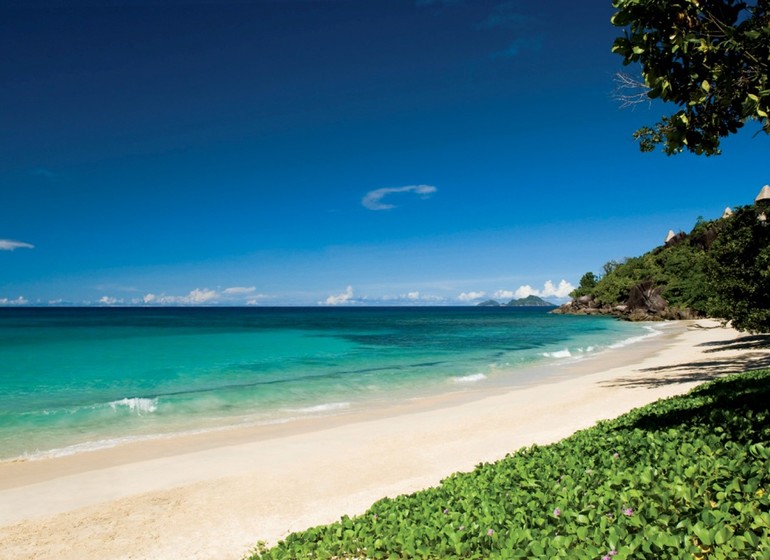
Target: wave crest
pixel 136 405
pixel 326 407
pixel 652 332
pixel 473 378
pixel 558 354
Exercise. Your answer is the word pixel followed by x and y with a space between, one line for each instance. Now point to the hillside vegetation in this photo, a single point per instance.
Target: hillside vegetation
pixel 687 477
pixel 720 269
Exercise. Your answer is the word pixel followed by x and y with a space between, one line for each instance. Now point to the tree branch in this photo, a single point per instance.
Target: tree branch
pixel 629 91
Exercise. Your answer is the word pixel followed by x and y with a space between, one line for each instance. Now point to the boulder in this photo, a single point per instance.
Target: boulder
pixel 646 297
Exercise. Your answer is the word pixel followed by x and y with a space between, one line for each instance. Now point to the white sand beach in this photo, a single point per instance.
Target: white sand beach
pixel 213 496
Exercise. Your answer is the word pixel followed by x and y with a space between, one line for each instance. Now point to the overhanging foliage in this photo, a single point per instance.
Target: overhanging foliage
pixel 709 57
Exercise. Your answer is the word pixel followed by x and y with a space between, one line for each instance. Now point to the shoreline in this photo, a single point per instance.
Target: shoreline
pixel 65 420
pixel 19 470
pixel 214 495
pixel 452 389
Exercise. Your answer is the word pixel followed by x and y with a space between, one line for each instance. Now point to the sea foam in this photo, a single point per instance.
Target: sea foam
pixel 136 405
pixel 558 354
pixel 326 407
pixel 473 378
pixel 652 332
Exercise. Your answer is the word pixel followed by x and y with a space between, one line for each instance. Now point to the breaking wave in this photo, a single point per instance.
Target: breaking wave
pixel 473 378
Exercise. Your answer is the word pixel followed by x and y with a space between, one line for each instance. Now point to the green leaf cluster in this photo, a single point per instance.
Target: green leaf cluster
pixel 687 477
pixel 711 58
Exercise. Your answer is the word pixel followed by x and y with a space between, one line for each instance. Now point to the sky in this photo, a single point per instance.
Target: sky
pixel 329 152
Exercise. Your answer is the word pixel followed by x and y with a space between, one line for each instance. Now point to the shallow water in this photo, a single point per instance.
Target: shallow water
pixel 78 379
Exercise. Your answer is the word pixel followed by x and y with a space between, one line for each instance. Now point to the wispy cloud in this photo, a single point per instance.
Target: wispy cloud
pixel 44 173
pixel 533 44
pixel 11 245
pixel 471 296
pixel 239 291
pixel 503 294
pixel 409 298
pixel 195 297
pixel 506 15
pixel 236 295
pixel 21 300
pixel 374 199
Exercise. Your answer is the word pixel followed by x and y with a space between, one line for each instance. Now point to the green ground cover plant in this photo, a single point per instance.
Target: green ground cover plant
pixel 686 477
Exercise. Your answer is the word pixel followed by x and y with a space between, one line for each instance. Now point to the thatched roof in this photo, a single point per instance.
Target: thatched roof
pixel 727 213
pixel 764 194
pixel 670 235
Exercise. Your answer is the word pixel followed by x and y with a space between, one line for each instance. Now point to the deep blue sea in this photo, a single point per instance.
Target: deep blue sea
pixel 76 379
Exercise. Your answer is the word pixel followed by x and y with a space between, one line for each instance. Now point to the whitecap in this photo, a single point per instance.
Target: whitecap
pixel 136 405
pixel 473 378
pixel 558 354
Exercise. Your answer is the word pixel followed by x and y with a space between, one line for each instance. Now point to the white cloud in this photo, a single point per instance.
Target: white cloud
pixel 10 245
pixel 373 199
pixel 524 291
pixel 201 296
pixel 549 290
pixel 21 300
pixel 471 296
pixel 561 291
pixel 236 295
pixel 239 291
pixel 107 300
pixel 503 294
pixel 409 298
pixel 195 297
pixel 341 299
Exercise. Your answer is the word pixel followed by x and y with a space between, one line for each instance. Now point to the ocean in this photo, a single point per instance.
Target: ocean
pixel 79 379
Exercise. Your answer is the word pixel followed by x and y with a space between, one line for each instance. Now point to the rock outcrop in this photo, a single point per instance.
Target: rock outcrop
pixel 644 303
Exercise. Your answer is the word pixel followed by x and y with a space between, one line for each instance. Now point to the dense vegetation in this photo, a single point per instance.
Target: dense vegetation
pixel 720 269
pixel 687 477
pixel 738 271
pixel 711 58
pixel 678 270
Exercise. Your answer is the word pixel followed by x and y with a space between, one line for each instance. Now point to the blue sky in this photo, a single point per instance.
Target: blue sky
pixel 328 151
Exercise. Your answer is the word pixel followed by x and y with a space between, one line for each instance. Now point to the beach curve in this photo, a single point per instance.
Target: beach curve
pixel 215 495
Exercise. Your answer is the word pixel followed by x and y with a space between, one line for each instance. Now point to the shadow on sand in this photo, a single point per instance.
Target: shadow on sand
pixel 756 355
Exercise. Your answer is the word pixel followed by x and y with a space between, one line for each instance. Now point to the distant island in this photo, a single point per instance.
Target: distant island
pixel 529 301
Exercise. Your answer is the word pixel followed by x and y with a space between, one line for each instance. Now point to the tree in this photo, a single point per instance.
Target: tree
pixel 738 271
pixel 586 286
pixel 709 57
pixel 610 266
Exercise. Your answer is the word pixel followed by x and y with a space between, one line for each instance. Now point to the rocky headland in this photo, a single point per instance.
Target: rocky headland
pixel 645 303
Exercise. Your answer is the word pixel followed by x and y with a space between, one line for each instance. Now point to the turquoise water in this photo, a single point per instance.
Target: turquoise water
pixel 78 379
